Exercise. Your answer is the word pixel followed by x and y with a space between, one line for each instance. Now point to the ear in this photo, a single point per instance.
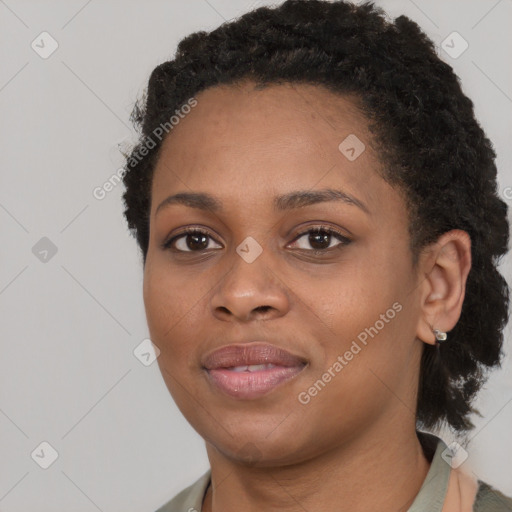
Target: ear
pixel 444 271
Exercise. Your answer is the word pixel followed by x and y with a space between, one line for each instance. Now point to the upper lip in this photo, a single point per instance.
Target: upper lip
pixel 240 354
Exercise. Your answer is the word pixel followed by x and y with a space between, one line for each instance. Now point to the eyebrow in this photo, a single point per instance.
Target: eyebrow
pixel 289 201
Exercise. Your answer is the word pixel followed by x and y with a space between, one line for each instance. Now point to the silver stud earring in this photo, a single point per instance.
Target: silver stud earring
pixel 440 335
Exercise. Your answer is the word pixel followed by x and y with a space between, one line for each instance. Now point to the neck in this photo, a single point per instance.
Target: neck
pixel 374 471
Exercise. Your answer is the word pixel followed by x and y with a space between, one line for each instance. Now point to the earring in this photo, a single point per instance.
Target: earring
pixel 440 335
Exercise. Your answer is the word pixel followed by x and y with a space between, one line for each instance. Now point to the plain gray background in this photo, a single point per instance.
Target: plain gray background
pixel 69 325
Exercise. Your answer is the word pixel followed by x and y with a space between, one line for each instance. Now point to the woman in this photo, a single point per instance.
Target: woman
pixel 317 212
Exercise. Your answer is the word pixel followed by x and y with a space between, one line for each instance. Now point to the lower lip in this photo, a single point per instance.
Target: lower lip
pixel 249 385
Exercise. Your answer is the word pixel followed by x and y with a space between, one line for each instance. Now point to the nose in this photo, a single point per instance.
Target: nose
pixel 249 291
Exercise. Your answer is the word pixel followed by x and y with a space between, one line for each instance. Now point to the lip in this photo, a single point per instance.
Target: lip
pixel 256 352
pixel 266 367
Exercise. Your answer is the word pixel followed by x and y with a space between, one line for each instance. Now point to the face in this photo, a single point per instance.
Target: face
pixel 318 287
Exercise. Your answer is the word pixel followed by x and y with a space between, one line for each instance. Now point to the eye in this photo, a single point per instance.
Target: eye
pixel 190 240
pixel 197 240
pixel 320 239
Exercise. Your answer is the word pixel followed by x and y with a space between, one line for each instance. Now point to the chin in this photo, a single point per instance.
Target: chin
pixel 259 447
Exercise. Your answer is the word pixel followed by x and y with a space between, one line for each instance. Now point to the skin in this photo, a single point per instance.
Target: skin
pixel 353 446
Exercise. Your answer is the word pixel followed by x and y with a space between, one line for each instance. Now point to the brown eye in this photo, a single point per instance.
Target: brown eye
pixel 320 239
pixel 192 240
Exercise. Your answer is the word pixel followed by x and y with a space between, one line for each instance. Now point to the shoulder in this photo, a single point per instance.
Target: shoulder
pixel 489 499
pixel 189 499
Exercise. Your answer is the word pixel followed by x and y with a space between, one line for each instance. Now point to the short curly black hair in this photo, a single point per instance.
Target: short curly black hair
pixel 432 148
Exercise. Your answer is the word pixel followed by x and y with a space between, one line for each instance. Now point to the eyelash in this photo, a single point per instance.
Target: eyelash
pixel 167 245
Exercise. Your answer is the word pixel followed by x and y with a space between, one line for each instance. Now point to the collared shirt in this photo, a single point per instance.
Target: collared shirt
pixel 445 489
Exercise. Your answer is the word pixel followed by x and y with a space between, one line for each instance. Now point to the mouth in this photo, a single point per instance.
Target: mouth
pixel 251 370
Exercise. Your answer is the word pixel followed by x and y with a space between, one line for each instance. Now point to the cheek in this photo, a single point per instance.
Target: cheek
pixel 172 309
pixel 161 309
pixel 356 291
pixel 363 303
pixel 370 351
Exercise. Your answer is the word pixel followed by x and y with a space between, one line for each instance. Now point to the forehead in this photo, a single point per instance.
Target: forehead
pixel 275 111
pixel 240 139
